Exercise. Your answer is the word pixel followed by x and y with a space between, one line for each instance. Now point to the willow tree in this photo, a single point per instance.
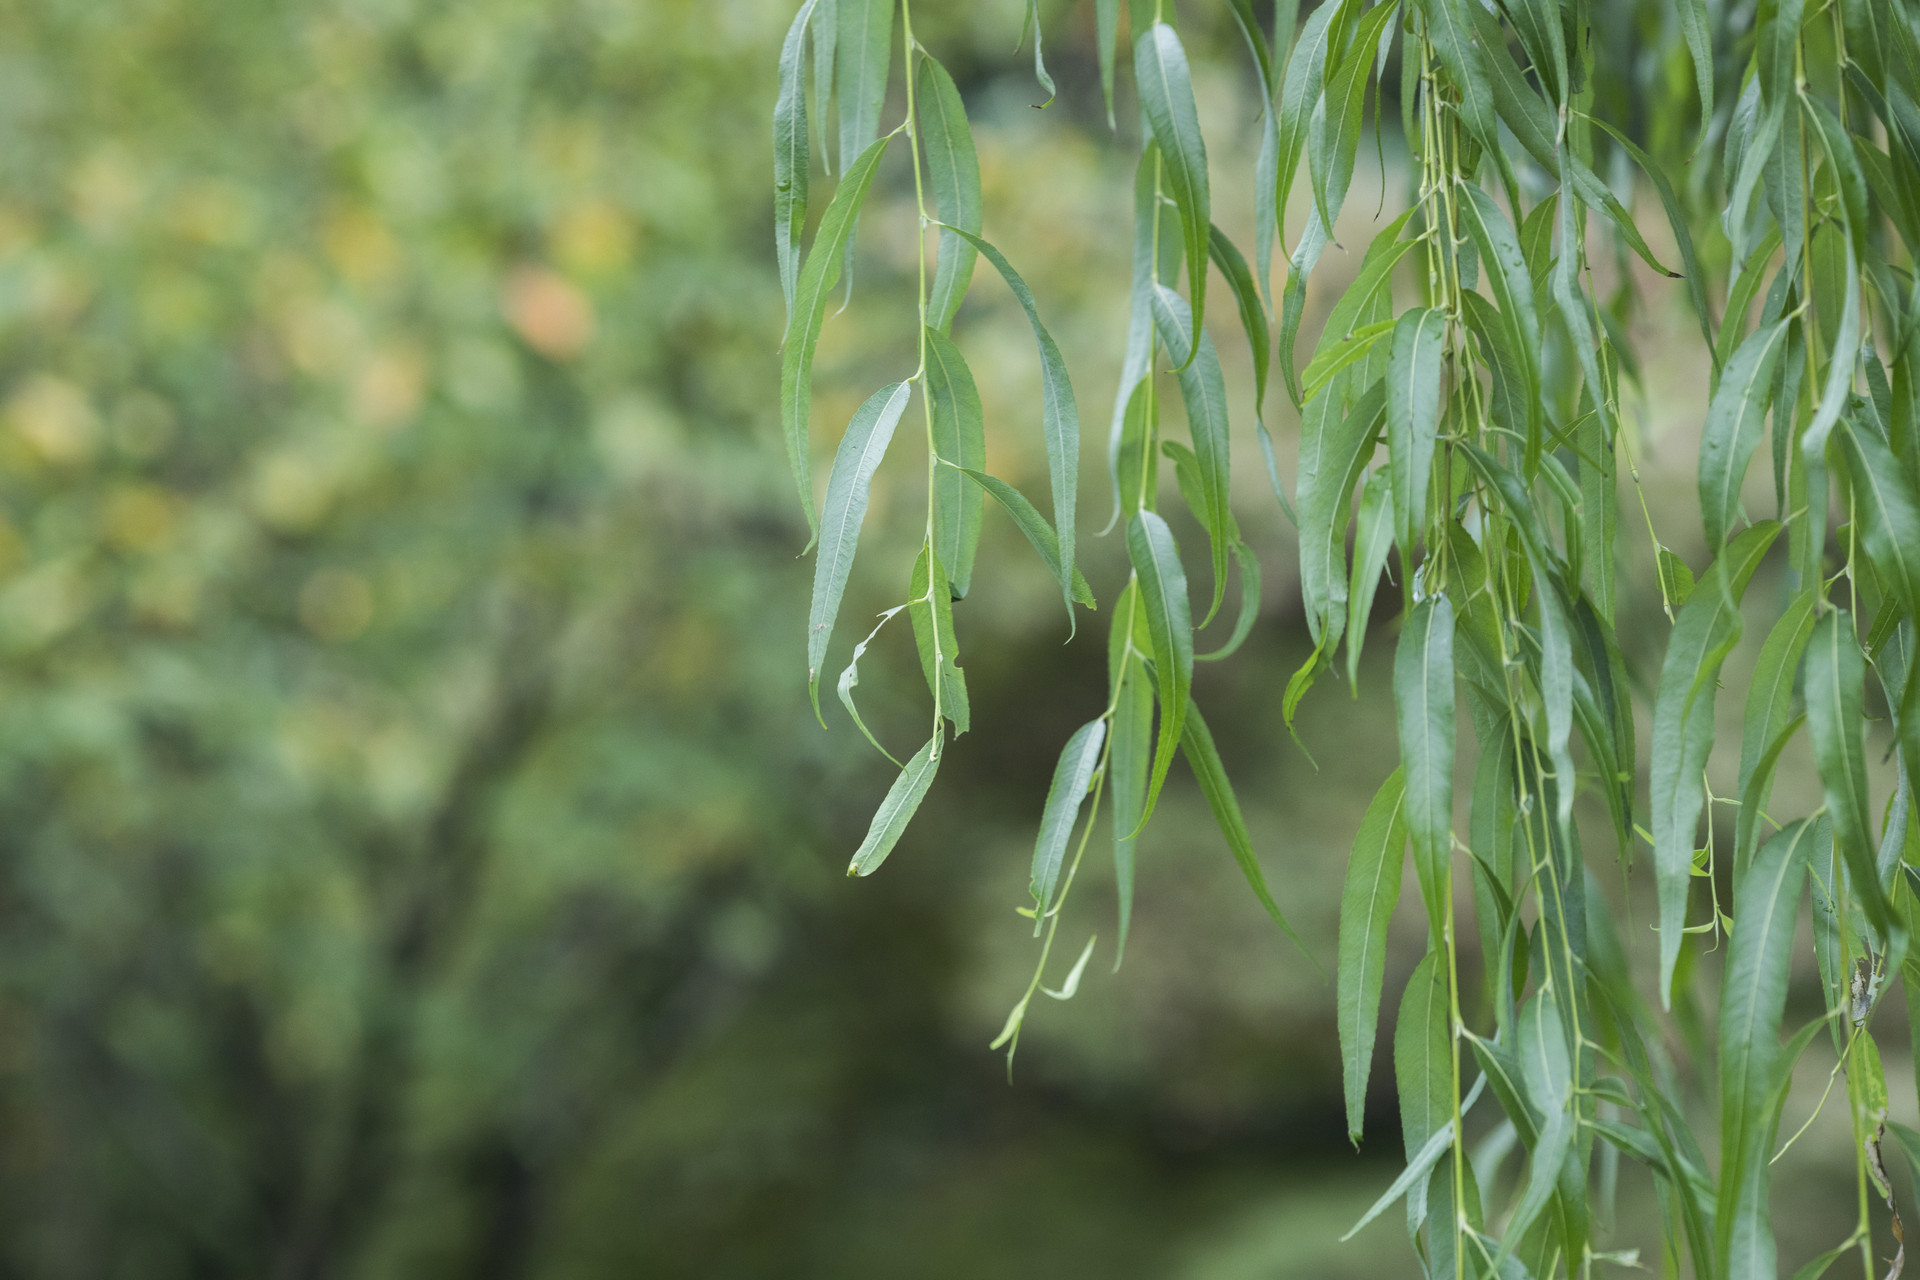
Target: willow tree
pixel 1481 428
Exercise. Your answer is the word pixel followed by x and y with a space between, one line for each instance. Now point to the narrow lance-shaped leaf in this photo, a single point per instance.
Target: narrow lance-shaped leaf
pixel 902 799
pixel 817 278
pixel 1106 21
pixel 1039 62
pixel 1299 91
pixel 1699 37
pixel 1413 415
pixel 1836 690
pixel 1735 418
pixel 1886 514
pixel 1423 1066
pixel 1196 743
pixel 1333 449
pixel 1453 42
pixel 931 610
pixel 826 30
pixel 1038 532
pixel 1370 547
pixel 1677 220
pixel 1253 317
pixel 953 172
pixel 1072 777
pixel 863 54
pixel 1512 287
pixel 1547 1070
pixel 1833 399
pixel 1423 701
pixel 960 439
pixel 1366 908
pixel 1204 391
pixel 1752 998
pixel 861 449
pixel 1140 322
pixel 850 680
pixel 1706 629
pixel 1333 135
pixel 1166 98
pixel 791 160
pixel 1059 419
pixel 1163 595
pixel 1413 1179
pixel 1131 754
pixel 1769 710
pixel 1249 569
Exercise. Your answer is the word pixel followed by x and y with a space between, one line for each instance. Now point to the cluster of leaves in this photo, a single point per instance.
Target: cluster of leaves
pixel 1482 427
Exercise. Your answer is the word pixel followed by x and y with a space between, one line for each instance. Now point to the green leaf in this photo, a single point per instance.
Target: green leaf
pixel 932 613
pixel 1060 420
pixel 791 161
pixel 1333 134
pixel 1072 778
pixel 1453 41
pixel 1886 514
pixel 902 799
pixel 1366 908
pixel 818 275
pixel 1753 995
pixel 1699 38
pixel 960 439
pixel 1039 63
pixel 863 55
pixel 1413 1179
pixel 1138 356
pixel 1334 448
pixel 1423 702
pixel 1333 358
pixel 1253 317
pixel 850 680
pixel 1370 547
pixel 1705 632
pixel 861 449
pixel 1172 324
pixel 1166 99
pixel 1196 743
pixel 1348 314
pixel 1423 1065
pixel 1034 525
pixel 1512 287
pixel 953 172
pixel 1107 25
pixel 1676 218
pixel 1204 391
pixel 1845 165
pixel 1769 712
pixel 1834 395
pixel 1163 594
pixel 1249 567
pixel 1547 1071
pixel 826 27
pixel 1130 755
pixel 1735 417
pixel 1299 92
pixel 1533 124
pixel 1836 689
pixel 1413 415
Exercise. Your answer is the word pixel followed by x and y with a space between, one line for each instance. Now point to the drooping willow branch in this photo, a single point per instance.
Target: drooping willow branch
pixel 1472 385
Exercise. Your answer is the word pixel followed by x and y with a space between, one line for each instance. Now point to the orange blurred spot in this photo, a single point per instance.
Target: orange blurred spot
pixel 554 317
